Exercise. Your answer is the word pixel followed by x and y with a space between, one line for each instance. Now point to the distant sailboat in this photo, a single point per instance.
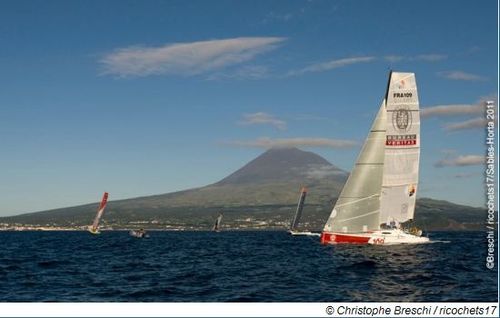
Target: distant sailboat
pixel 380 192
pixel 218 221
pixel 298 214
pixel 94 229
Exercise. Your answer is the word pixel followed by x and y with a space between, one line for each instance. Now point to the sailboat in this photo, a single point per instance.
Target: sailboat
pixel 94 228
pixel 216 227
pixel 298 213
pixel 380 192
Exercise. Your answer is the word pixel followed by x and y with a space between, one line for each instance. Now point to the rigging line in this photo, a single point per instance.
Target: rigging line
pixel 355 201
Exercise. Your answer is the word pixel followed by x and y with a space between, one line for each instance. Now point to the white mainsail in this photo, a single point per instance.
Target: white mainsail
pixel 402 150
pixel 382 185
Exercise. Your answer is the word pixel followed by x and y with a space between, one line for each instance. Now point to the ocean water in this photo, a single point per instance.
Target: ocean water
pixel 238 267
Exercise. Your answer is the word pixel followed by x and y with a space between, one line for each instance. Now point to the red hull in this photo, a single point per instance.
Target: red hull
pixel 336 238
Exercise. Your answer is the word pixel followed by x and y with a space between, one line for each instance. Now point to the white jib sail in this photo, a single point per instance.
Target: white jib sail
pixel 402 149
pixel 298 212
pixel 358 206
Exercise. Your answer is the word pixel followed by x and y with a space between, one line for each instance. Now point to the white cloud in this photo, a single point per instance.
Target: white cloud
pixel 430 57
pixel 467 160
pixel 452 110
pixel 461 76
pixel 294 142
pixel 330 65
pixel 433 57
pixel 261 118
pixel 186 58
pixel 317 171
pixel 468 124
pixel 475 110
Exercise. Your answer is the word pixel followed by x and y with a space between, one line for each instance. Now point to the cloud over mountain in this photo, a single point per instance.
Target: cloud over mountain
pixel 262 118
pixel 267 143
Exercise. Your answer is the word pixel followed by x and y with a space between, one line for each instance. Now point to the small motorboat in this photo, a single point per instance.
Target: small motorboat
pixel 303 233
pixel 139 233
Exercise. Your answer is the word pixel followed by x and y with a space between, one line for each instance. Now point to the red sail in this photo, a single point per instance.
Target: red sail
pixel 103 201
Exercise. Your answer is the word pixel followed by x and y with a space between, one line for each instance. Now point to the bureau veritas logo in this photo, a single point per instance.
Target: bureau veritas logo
pixel 401 119
pixel 401 140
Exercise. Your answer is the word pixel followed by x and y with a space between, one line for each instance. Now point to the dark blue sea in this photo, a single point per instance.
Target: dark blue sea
pixel 239 267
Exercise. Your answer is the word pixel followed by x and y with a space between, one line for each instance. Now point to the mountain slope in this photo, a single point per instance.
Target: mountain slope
pixel 283 165
pixel 264 190
pixel 274 177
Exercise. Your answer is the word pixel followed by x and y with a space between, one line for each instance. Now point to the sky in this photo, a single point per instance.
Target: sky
pixel 148 97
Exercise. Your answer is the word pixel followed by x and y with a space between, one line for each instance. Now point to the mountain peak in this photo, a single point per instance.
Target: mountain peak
pixel 281 164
